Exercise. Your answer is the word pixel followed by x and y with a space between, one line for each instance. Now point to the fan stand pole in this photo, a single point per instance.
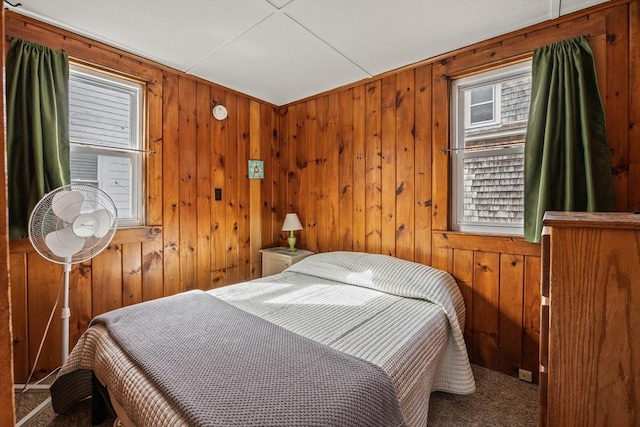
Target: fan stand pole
pixel 66 313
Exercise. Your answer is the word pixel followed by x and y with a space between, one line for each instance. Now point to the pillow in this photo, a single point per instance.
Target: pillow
pixel 386 274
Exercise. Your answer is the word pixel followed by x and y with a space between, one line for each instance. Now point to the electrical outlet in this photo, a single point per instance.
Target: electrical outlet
pixel 525 375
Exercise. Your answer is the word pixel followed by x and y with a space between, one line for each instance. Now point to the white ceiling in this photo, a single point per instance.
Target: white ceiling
pixel 284 50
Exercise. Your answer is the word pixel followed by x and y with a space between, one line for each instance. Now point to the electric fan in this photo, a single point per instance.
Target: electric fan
pixel 70 225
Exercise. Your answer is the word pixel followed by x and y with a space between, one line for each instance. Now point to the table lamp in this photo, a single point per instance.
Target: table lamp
pixel 291 224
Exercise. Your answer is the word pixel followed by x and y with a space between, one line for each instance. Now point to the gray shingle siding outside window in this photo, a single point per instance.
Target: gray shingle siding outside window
pixel 494 184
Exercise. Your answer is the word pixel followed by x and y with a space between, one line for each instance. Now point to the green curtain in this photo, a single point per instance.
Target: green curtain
pixel 567 163
pixel 37 128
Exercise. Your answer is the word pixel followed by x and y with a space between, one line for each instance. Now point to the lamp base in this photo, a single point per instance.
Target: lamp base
pixel 292 243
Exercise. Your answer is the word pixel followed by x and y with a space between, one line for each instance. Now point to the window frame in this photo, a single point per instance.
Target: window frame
pixel 135 153
pixel 495 100
pixel 460 108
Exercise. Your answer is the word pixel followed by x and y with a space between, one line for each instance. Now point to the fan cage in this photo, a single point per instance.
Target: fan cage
pixel 44 220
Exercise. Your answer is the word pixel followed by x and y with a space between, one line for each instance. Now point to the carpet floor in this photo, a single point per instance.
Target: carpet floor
pixel 500 400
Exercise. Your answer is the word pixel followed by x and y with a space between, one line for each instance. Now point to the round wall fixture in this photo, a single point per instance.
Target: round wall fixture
pixel 220 112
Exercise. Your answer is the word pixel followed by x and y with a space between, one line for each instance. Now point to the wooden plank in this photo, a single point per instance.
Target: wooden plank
pixel 268 149
pixel 106 278
pixel 282 181
pixel 255 193
pixel 311 226
pixel 122 236
pixel 218 148
pixel 152 271
pixel 244 232
pixel 440 143
pixel 188 233
pixel 299 165
pixel 463 273
pixel 132 273
pixel 203 187
pixel 345 172
pixel 634 106
pixel 405 165
pixel 531 316
pixel 290 159
pixel 517 46
pixel 233 169
pixel 443 259
pixel 19 317
pixel 322 172
pixel 511 313
pixel 486 314
pixel 7 415
pixel 283 171
pixel 44 286
pixel 359 169
pixel 616 104
pixel 153 162
pixel 373 161
pixel 479 242
pixel 171 186
pixel 422 172
pixel 332 171
pixel 388 152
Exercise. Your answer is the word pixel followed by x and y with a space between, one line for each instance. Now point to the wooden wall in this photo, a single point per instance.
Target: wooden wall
pixel 190 241
pixel 366 168
pixel 7 415
pixel 362 166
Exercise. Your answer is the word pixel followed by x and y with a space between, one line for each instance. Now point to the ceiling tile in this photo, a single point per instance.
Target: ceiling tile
pixel 284 50
pixel 176 33
pixel 569 6
pixel 384 35
pixel 279 62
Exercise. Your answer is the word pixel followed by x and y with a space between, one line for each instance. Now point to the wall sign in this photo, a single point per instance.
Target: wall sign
pixel 256 169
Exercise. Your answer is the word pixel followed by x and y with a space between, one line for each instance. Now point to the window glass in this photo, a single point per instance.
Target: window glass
pixel 489 121
pixel 105 130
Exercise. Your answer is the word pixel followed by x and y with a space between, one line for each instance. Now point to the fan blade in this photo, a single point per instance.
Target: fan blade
pixel 104 221
pixel 64 243
pixel 67 205
pixel 96 223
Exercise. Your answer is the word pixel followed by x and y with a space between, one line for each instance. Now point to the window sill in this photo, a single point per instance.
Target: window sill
pixel 485 242
pixel 123 236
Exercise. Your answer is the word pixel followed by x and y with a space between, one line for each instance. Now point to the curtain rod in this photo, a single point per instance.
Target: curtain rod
pixel 125 150
pixel 489 147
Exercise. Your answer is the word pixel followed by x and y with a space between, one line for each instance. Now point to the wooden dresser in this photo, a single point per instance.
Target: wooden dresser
pixel 590 320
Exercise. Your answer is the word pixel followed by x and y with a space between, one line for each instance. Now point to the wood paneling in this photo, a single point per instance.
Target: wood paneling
pixel 191 240
pixel 365 167
pixel 7 415
pixel 394 192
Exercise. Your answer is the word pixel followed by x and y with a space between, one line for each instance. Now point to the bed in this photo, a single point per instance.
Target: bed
pixel 373 315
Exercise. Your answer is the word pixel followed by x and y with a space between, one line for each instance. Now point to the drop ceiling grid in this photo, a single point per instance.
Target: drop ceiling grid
pixel 281 51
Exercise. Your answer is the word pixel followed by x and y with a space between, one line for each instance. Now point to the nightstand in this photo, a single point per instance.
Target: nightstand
pixel 275 260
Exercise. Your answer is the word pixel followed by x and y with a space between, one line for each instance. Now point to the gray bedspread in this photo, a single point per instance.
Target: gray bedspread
pixel 223 366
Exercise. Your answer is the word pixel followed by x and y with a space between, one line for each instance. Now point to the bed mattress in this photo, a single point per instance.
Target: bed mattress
pixel 416 339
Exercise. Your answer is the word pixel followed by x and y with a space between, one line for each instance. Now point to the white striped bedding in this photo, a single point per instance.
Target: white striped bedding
pixel 374 307
pixel 406 317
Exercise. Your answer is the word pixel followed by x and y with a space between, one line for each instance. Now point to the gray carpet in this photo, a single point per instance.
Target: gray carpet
pixel 500 400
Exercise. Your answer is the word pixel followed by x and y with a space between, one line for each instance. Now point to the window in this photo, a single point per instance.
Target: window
pixel 489 123
pixel 106 134
pixel 480 105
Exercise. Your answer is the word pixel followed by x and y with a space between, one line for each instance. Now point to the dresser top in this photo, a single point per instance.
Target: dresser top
pixel 623 220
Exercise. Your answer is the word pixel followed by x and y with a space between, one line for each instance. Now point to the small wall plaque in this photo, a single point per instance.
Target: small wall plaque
pixel 256 169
